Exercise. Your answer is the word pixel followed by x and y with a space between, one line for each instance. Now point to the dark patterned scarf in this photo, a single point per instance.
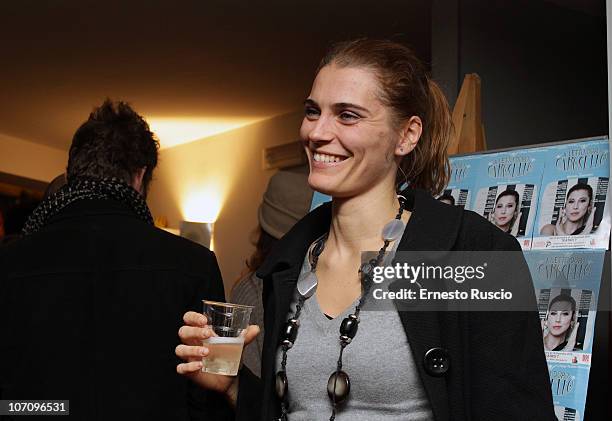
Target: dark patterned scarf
pixel 87 189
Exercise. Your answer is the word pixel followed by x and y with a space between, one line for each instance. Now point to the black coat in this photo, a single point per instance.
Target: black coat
pixel 90 308
pixel 492 376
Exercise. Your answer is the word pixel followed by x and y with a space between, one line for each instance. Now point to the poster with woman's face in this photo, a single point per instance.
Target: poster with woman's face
pixel 567 318
pixel 573 210
pixel 507 189
pixel 567 289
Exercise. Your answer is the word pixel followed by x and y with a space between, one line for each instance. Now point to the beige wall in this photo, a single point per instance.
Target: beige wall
pixel 31 160
pixel 224 172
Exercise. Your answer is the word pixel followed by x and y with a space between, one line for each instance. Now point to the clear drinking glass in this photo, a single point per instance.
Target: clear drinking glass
pixel 228 323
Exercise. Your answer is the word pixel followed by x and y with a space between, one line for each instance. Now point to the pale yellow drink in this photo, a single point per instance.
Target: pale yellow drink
pixel 223 355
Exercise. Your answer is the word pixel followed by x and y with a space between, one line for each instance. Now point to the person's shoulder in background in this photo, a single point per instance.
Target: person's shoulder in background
pixel 188 255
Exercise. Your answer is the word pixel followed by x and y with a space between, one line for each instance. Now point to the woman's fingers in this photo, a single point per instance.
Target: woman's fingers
pixel 251 333
pixel 192 347
pixel 192 318
pixel 195 329
pixel 188 352
pixel 189 368
pixel 194 335
pixel 216 382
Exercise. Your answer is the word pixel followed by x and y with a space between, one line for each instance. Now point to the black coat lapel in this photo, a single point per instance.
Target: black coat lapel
pixel 433 226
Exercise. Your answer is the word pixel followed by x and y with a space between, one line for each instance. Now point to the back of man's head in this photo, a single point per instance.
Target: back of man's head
pixel 114 142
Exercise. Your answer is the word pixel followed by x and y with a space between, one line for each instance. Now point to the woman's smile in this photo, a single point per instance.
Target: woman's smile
pixel 327 160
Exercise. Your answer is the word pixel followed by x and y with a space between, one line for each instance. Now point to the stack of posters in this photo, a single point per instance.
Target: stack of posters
pixel 555 200
pixel 567 288
pixel 551 197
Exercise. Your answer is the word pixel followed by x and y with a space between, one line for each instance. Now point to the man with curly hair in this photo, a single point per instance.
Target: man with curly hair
pixel 90 268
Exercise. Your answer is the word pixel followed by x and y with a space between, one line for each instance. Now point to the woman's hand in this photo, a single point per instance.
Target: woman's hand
pixel 561 223
pixel 571 339
pixel 588 226
pixel 517 223
pixel 191 351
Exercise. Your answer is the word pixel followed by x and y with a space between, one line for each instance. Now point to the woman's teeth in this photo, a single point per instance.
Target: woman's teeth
pixel 321 157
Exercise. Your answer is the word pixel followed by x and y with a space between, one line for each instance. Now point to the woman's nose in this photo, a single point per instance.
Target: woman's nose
pixel 321 130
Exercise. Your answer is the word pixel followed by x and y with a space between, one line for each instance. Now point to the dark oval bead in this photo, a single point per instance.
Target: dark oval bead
pixel 338 386
pixel 290 331
pixel 349 327
pixel 281 385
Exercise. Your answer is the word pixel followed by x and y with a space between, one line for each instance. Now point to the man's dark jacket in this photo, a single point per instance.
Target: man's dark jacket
pixel 497 368
pixel 90 307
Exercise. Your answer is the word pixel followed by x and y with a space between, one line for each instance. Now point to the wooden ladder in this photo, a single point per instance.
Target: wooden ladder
pixel 468 135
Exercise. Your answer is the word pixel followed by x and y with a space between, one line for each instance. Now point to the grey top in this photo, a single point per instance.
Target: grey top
pixel 385 383
pixel 249 291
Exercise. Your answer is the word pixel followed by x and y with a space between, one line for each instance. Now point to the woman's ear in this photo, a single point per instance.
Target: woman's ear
pixel 410 133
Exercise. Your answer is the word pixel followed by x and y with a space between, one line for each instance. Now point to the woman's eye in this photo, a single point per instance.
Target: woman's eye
pixel 311 112
pixel 566 313
pixel 348 116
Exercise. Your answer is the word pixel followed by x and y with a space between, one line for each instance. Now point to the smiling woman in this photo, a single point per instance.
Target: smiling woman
pixel 373 120
pixel 506 210
pixel 560 323
pixel 383 95
pixel 576 217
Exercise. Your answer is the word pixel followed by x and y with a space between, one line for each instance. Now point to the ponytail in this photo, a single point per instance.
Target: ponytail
pixel 427 166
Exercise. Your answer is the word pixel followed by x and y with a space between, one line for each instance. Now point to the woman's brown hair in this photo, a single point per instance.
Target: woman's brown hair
pixel 409 91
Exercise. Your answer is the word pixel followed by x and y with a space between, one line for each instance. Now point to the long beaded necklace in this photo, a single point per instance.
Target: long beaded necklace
pixel 338 385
